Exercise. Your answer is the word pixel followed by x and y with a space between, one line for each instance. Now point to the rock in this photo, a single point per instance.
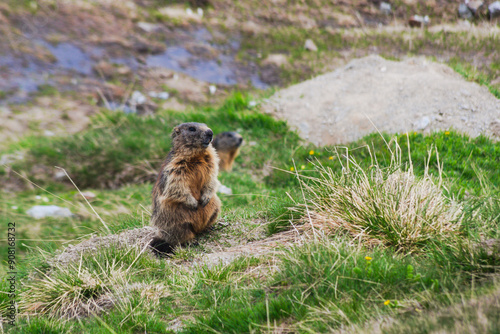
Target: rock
pixel 59 175
pixel 42 211
pixel 422 123
pixel 159 95
pixel 419 21
pixel 225 190
pixel 88 195
pixel 494 10
pixel 252 104
pixel 464 12
pixel 148 27
pixel 251 28
pixel 276 59
pixel 147 108
pixel 137 98
pixel 385 8
pixel 179 13
pixel 310 46
pixel 212 89
pixel 475 7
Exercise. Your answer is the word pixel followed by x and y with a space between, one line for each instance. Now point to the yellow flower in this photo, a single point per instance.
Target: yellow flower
pixel 302 167
pixel 414 133
pixel 330 158
pixel 311 152
pixel 292 169
pixel 447 133
pixel 387 302
pixel 367 258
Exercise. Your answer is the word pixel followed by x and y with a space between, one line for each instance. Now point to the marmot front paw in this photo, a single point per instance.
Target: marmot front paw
pixel 191 203
pixel 204 200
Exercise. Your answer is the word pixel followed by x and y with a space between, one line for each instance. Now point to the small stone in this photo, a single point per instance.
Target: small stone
pixel 494 10
pixel 475 7
pixel 276 59
pixel 48 133
pixel 148 27
pixel 252 143
pixel 159 95
pixel 385 8
pixel 14 207
pixel 310 46
pixel 42 211
pixel 199 11
pixel 178 13
pixel 464 12
pixel 419 21
pixel 59 175
pixel 422 123
pixel 212 89
pixel 252 104
pixel 225 190
pixel 137 98
pixel 383 69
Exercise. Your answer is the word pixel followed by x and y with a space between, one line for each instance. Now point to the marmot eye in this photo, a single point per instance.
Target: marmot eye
pixel 229 135
pixel 192 129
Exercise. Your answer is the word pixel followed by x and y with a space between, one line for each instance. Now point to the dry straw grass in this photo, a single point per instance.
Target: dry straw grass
pixel 390 206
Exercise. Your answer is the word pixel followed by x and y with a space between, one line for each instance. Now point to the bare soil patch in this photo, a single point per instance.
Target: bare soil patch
pixel 373 93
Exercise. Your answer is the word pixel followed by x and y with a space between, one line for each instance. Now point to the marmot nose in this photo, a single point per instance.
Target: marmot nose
pixel 209 134
pixel 240 140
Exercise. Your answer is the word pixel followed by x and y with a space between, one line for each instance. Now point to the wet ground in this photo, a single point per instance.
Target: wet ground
pixel 194 52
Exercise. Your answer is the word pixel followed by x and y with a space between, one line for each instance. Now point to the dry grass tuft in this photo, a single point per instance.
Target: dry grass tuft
pixel 389 206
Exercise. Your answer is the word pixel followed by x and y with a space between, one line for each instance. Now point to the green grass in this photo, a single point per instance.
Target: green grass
pixel 319 284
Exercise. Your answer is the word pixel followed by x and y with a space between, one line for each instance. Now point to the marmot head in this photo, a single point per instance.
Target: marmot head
pixel 227 141
pixel 192 136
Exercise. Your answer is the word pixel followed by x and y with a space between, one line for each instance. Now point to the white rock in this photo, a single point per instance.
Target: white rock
pixel 212 89
pixel 385 8
pixel 48 133
pixel 422 123
pixel 137 98
pixel 148 27
pixel 225 190
pixel 252 104
pixel 13 207
pixel 42 211
pixel 310 46
pixel 163 95
pixel 199 11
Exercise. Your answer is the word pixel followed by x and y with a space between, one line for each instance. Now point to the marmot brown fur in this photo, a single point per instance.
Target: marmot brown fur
pixel 185 202
pixel 227 145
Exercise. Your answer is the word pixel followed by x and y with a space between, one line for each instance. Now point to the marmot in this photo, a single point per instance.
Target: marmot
pixel 227 145
pixel 185 202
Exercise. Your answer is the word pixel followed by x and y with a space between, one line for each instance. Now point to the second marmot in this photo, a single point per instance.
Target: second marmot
pixel 185 202
pixel 227 145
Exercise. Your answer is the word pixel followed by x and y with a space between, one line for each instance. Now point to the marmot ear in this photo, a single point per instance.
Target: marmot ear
pixel 175 132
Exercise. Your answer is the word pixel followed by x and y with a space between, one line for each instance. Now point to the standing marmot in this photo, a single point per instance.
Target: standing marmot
pixel 184 198
pixel 227 145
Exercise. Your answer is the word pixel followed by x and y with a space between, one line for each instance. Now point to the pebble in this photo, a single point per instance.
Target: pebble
pixel 464 12
pixel 148 27
pixel 225 190
pixel 419 21
pixel 385 8
pixel 422 123
pixel 494 10
pixel 310 46
pixel 159 95
pixel 88 195
pixel 42 211
pixel 212 89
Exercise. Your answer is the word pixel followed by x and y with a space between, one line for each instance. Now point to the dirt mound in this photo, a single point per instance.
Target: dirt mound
pixel 374 93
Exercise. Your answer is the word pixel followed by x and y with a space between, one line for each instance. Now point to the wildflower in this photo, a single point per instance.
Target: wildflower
pixel 311 152
pixel 330 158
pixel 415 133
pixel 302 167
pixel 367 258
pixel 447 133
pixel 292 169
pixel 387 302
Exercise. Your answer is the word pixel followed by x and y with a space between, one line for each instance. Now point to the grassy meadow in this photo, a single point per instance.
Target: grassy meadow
pixel 394 232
